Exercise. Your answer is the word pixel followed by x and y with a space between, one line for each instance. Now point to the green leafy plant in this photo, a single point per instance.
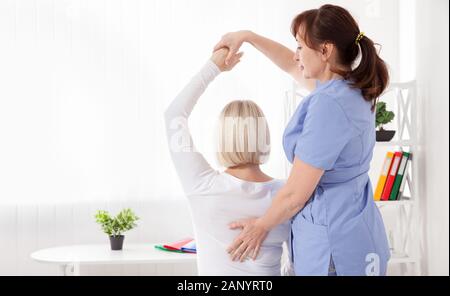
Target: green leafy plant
pixel 124 221
pixel 383 116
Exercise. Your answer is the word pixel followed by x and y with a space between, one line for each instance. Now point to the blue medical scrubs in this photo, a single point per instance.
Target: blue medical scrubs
pixel 334 129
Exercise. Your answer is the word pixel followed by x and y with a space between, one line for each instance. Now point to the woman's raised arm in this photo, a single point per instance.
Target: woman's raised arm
pixel 191 166
pixel 279 54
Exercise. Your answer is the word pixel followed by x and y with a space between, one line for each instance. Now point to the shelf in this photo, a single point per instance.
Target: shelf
pixel 401 258
pixel 394 203
pixel 394 143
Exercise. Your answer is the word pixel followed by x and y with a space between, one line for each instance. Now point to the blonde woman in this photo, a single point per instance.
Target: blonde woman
pixel 241 191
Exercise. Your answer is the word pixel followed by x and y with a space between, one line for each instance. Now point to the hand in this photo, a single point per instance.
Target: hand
pixel 219 56
pixel 233 41
pixel 249 240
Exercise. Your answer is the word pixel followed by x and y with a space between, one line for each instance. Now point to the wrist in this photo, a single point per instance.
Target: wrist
pixel 248 36
pixel 213 65
pixel 263 223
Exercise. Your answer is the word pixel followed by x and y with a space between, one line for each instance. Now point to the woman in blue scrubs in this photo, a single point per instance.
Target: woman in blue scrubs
pixel 336 227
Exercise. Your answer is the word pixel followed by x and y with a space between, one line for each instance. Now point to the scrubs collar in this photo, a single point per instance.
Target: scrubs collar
pixel 320 84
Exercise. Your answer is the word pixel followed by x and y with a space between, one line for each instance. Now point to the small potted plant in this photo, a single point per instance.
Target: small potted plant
pixel 383 117
pixel 114 227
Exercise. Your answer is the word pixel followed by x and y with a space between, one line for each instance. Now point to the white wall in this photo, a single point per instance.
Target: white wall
pixel 85 83
pixel 433 76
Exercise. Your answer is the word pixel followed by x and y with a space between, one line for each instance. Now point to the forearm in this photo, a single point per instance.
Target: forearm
pixel 284 206
pixel 291 199
pixel 279 54
pixel 185 101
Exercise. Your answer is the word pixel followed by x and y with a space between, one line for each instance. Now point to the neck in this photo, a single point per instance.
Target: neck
pixel 248 172
pixel 329 75
pixel 246 167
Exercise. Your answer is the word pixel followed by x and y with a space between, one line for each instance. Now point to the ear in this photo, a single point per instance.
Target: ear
pixel 327 50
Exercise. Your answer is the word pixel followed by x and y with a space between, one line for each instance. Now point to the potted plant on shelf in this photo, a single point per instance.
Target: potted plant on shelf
pixel 383 117
pixel 114 227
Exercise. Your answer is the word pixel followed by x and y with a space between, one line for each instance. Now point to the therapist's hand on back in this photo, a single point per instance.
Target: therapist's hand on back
pixel 219 56
pixel 249 241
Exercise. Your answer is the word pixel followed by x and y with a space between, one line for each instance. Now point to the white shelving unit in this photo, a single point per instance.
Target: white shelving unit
pixel 404 234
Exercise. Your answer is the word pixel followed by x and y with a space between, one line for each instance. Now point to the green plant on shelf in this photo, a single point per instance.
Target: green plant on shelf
pixel 383 116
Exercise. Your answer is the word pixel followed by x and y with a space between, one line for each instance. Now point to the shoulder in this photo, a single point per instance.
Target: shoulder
pixel 325 104
pixel 339 100
pixel 205 184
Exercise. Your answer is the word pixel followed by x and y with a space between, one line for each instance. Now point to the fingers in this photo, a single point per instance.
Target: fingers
pixel 246 253
pixel 230 55
pixel 235 60
pixel 236 243
pixel 236 225
pixel 239 251
pixel 238 57
pixel 218 46
pixel 242 252
pixel 256 251
pixel 233 63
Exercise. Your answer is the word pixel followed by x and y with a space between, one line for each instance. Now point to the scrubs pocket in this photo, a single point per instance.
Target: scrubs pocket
pixel 311 247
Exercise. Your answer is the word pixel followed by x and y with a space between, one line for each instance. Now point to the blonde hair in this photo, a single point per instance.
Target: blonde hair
pixel 243 135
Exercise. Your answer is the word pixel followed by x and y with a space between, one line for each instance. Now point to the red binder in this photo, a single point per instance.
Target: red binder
pixel 392 174
pixel 178 244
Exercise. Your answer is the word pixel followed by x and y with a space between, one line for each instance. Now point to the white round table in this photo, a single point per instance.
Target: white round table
pixel 73 256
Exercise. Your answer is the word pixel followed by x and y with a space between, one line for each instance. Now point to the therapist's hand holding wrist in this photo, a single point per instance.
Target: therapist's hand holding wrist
pixel 219 56
pixel 233 41
pixel 248 243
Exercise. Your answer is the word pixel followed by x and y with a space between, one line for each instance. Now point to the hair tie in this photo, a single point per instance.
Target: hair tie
pixel 359 37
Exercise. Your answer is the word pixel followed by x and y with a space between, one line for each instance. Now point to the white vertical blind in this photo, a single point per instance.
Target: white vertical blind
pixel 83 86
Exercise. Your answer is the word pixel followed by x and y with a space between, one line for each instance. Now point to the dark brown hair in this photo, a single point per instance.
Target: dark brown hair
pixel 335 25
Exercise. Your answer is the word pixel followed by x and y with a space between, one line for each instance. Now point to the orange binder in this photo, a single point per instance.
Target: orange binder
pixel 383 176
pixel 391 177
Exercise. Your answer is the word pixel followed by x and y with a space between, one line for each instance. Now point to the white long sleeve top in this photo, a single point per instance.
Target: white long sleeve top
pixel 218 198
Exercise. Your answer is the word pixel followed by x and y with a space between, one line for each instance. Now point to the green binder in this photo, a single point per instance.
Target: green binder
pixel 160 247
pixel 398 179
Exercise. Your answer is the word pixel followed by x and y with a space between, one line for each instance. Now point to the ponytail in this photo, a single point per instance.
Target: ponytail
pixel 371 75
